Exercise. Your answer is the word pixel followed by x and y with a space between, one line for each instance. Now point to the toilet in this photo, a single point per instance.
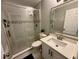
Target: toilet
pixel 37 46
pixel 37 49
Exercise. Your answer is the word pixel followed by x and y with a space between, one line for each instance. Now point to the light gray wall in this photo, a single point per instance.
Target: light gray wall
pixel 45 11
pixel 38 6
pixel 46 6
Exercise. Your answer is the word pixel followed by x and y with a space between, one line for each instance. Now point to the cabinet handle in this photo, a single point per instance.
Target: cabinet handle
pixel 49 51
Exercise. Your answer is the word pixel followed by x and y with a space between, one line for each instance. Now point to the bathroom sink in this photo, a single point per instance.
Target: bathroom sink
pixel 57 43
pixel 61 46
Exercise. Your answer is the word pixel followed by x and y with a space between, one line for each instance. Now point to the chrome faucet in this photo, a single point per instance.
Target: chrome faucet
pixel 60 37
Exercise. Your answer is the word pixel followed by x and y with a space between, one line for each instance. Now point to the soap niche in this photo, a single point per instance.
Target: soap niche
pixel 63 0
pixel 58 0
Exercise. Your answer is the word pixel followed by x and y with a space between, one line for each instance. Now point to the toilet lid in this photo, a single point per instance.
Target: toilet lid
pixel 36 44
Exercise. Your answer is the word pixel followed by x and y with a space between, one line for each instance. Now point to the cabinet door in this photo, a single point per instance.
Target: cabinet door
pixel 49 53
pixel 56 55
pixel 45 51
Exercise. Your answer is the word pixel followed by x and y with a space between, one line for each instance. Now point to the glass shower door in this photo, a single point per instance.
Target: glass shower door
pixel 21 28
pixel 22 33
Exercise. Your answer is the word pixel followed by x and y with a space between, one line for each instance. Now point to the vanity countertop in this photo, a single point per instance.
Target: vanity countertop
pixel 69 51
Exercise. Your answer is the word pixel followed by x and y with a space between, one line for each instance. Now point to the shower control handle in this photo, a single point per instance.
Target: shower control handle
pixel 6 23
pixel 8 33
pixel 6 55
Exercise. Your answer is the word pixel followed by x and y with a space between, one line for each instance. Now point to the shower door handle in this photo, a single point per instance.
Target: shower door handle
pixel 8 33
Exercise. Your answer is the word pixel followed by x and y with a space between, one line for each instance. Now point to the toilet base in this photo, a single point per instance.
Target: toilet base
pixel 37 54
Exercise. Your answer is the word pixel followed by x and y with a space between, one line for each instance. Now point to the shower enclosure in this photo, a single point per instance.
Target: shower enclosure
pixel 21 26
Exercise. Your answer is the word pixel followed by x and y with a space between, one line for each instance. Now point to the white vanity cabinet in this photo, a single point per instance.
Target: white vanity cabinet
pixel 49 53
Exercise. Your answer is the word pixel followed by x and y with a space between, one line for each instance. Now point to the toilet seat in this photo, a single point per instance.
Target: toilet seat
pixel 36 44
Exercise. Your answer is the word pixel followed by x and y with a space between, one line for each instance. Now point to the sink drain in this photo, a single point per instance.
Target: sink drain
pixel 56 45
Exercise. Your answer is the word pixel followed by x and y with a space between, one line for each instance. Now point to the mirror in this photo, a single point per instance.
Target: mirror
pixel 64 18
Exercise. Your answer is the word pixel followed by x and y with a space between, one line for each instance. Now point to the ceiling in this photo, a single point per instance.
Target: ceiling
pixel 31 3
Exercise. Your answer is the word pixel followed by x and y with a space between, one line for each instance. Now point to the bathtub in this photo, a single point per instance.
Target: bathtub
pixel 22 54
